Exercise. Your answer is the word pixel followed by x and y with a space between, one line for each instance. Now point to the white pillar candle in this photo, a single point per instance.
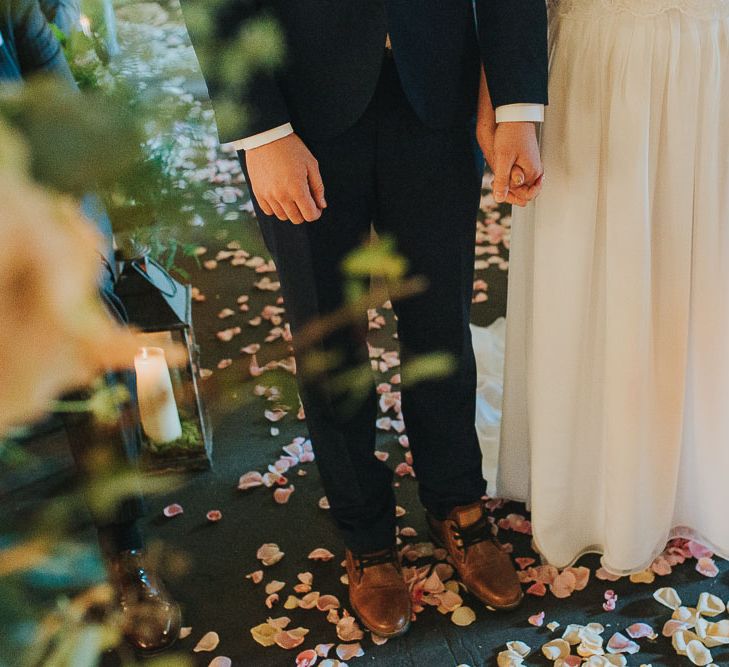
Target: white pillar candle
pixel 157 407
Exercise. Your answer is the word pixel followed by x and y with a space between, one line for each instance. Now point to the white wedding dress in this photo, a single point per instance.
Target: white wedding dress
pixel 616 399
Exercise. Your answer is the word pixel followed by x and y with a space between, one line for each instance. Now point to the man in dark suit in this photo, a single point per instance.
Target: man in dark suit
pixel 369 120
pixel 151 618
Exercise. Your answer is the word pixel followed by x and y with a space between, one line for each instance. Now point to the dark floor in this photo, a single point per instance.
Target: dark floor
pixel 217 596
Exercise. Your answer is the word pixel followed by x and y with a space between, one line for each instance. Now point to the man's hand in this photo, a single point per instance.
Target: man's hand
pixel 512 151
pixel 285 180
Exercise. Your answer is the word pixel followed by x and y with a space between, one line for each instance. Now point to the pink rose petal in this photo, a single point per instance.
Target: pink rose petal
pixel 564 585
pixel 172 510
pixel 281 496
pixel 640 630
pixel 349 651
pixel 698 551
pixel 619 643
pixel 307 658
pixel 321 554
pixel 539 589
pixel 256 577
pixel 288 640
pixel 537 620
pixel 214 515
pixel 707 567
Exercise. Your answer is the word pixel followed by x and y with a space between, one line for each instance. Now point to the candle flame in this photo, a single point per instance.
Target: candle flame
pixel 85 23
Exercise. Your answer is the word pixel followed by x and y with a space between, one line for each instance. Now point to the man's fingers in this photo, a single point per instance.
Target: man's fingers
pixel 292 211
pixel 316 185
pixel 502 175
pixel 278 210
pixel 265 206
pixel 309 210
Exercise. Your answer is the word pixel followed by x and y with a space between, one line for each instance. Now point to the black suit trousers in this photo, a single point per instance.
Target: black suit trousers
pixel 421 187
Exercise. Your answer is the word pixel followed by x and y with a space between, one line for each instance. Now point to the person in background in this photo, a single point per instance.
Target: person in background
pixel 151 617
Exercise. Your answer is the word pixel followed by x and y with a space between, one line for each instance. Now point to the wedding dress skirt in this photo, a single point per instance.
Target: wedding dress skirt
pixel 616 397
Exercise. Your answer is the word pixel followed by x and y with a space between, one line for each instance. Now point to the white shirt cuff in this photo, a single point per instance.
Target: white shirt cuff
pixel 520 113
pixel 262 138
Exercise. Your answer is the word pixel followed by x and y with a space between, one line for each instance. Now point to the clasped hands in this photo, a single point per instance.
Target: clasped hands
pixel 286 181
pixel 512 151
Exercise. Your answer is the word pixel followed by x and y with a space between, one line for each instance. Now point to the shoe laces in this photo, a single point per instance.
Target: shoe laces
pixel 379 558
pixel 468 536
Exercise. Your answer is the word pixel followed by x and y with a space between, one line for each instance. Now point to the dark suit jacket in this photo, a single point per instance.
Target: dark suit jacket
pixel 334 51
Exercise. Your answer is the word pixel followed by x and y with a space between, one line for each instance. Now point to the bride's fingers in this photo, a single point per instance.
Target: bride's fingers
pixel 516 199
pixel 517 176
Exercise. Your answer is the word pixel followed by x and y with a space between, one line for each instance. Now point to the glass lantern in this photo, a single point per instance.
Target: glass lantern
pixel 176 431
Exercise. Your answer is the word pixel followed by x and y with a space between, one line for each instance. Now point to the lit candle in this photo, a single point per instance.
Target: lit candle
pixel 157 407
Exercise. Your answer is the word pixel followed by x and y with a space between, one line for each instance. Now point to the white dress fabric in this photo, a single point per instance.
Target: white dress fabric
pixel 616 398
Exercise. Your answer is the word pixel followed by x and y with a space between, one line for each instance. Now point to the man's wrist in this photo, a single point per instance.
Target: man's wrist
pixel 520 113
pixel 262 138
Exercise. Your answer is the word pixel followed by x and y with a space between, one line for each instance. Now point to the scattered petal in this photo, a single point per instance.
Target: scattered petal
pixel 463 616
pixel 209 642
pixel 556 649
pixel 214 516
pixel 269 554
pixel 321 554
pixel 537 620
pixel 707 567
pixel 349 651
pixel 698 653
pixel 172 510
pixel 668 597
pixel 641 630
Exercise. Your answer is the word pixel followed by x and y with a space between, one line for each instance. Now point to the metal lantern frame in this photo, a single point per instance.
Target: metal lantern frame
pixel 157 303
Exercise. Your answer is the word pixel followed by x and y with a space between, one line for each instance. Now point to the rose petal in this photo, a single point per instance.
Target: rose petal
pixel 321 554
pixel 509 659
pixel 209 642
pixel 463 616
pixel 269 554
pixel 349 651
pixel 327 602
pixel 564 585
pixel 707 567
pixel 668 597
pixel 537 620
pixel 710 605
pixel 214 516
pixel 538 589
pixel 698 551
pixel 307 658
pixel 281 496
pixel 619 643
pixel 556 649
pixel 289 639
pixel 698 653
pixel 172 510
pixel 221 661
pixel 640 630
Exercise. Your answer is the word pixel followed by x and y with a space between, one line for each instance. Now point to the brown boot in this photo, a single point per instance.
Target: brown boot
pixel 151 618
pixel 378 593
pixel 482 564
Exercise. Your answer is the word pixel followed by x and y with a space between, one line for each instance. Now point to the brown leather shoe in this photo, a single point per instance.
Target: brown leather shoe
pixel 482 564
pixel 151 618
pixel 378 593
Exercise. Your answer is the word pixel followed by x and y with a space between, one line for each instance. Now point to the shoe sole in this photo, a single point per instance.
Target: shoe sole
pixel 496 607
